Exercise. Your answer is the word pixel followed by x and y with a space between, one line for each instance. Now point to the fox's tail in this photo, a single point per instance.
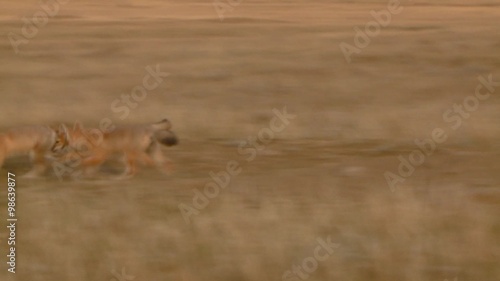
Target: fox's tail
pixel 162 125
pixel 163 134
pixel 166 137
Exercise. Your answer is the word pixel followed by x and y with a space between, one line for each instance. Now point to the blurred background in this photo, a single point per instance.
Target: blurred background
pixel 229 65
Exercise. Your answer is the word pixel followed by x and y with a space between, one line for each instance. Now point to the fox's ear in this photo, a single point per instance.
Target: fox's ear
pixel 78 126
pixel 63 130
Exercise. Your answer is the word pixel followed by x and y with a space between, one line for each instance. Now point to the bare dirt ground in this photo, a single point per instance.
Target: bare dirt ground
pixel 321 177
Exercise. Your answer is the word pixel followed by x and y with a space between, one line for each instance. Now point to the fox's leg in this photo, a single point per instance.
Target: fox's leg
pixel 130 164
pixel 154 157
pixel 92 163
pixel 2 157
pixel 3 151
pixel 145 159
pixel 39 164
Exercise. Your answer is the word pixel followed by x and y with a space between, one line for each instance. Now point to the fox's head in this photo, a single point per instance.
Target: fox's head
pixel 61 140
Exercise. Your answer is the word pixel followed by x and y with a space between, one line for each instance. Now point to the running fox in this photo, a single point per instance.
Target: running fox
pixel 137 143
pixel 39 141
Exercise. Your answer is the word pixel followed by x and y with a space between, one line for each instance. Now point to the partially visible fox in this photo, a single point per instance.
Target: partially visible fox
pixel 39 141
pixel 138 143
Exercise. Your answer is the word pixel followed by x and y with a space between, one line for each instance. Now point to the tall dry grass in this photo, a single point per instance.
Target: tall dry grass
pixel 322 176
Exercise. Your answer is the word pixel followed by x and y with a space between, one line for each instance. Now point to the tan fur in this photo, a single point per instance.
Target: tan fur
pixel 138 143
pixel 38 141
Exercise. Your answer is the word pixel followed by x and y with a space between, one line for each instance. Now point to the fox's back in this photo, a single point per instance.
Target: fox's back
pixel 133 138
pixel 24 139
pixel 128 137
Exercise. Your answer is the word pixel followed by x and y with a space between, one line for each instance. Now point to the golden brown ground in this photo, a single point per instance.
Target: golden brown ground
pixel 322 176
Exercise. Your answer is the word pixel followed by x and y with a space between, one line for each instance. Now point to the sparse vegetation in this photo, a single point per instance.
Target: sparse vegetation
pixel 322 176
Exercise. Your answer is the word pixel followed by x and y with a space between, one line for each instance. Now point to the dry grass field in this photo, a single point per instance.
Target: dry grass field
pixel 321 177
